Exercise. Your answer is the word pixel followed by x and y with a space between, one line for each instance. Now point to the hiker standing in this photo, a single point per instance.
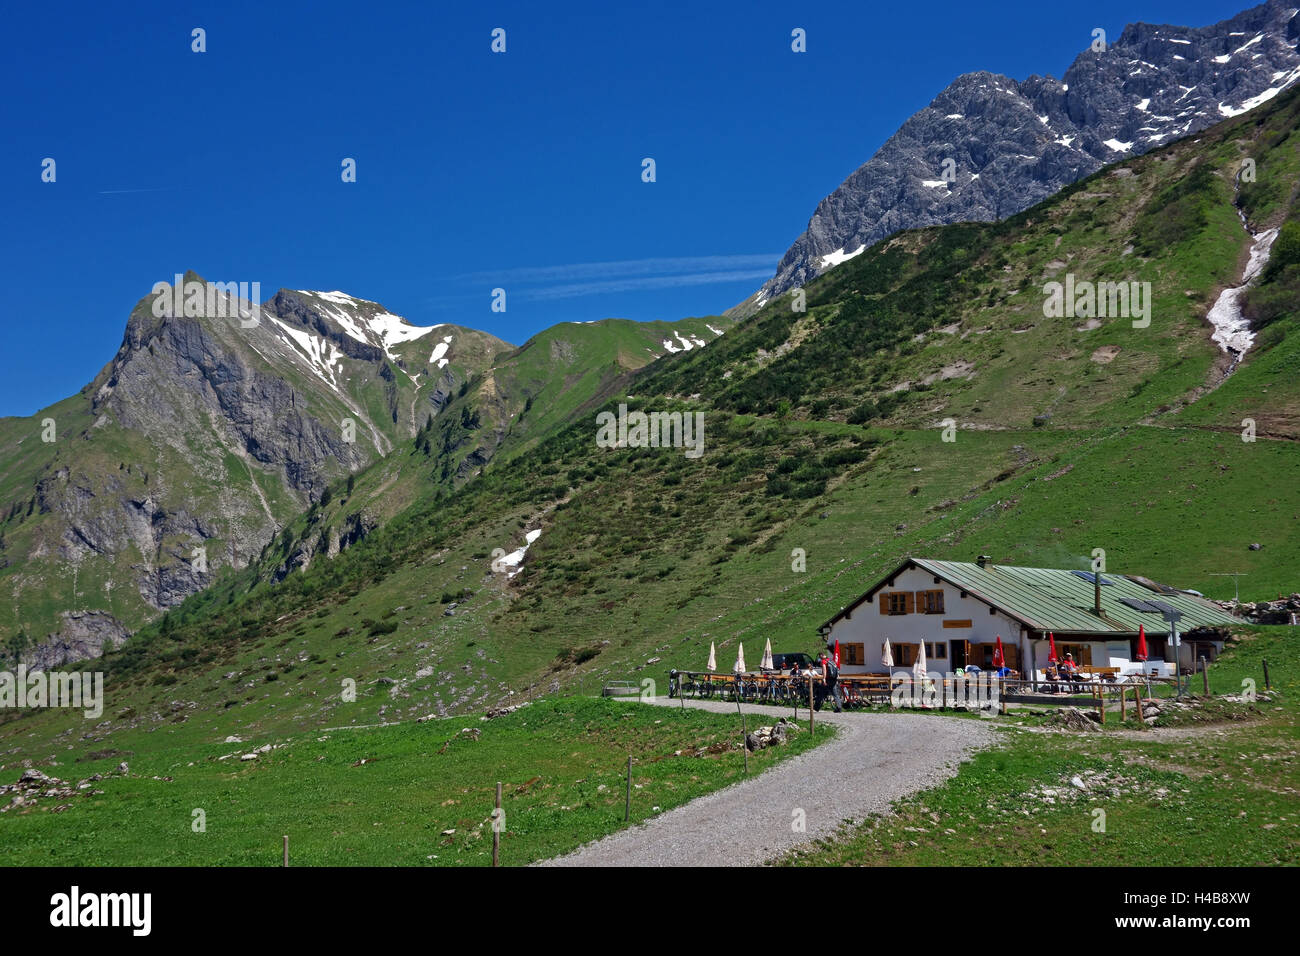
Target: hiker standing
pixel 830 684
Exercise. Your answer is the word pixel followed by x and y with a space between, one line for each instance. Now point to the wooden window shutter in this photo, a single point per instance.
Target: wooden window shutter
pixel 884 604
pixel 920 601
pixel 909 604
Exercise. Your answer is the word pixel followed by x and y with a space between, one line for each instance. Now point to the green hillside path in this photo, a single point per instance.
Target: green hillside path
pixel 874 760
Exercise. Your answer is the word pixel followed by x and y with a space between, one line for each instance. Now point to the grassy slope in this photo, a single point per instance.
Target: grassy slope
pixel 388 795
pixel 558 375
pixel 526 395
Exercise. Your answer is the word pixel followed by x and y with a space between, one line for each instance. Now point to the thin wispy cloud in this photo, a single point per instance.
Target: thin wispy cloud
pixel 634 284
pixel 145 189
pixel 589 278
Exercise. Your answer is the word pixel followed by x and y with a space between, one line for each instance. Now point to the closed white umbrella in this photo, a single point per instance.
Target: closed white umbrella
pixel 740 659
pixel 918 670
pixel 767 657
pixel 712 665
pixel 887 657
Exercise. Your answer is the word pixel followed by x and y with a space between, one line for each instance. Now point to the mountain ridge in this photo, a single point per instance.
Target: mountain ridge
pixel 206 434
pixel 1010 144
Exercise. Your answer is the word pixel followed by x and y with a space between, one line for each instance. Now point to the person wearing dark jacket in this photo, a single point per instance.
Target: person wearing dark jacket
pixel 830 685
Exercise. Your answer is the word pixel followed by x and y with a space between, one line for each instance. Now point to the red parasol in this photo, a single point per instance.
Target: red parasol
pixel 999 658
pixel 1051 656
pixel 1142 643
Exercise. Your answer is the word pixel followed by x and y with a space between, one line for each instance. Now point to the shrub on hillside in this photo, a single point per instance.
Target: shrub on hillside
pixel 1177 213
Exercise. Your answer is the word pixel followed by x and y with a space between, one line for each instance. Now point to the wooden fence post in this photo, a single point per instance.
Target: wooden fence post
pixel 1123 704
pixel 286 849
pixel 1267 686
pixel 811 728
pixel 1205 677
pixel 627 807
pixel 496 829
pixel 744 734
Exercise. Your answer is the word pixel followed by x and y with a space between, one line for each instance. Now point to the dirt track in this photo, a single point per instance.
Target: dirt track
pixel 875 760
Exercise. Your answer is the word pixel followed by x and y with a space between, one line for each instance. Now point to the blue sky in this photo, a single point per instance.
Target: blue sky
pixel 474 170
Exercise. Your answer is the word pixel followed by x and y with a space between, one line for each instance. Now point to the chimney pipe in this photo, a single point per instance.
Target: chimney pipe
pixel 1096 592
pixel 982 560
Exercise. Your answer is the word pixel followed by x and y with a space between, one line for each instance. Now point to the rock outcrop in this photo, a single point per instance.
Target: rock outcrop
pixel 989 146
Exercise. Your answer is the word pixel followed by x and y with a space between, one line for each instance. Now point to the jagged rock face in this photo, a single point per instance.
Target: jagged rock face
pixel 988 146
pixel 328 544
pixel 204 436
pixel 173 378
pixel 82 636
pixel 298 309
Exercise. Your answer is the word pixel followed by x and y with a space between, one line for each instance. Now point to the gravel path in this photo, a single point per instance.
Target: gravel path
pixel 875 760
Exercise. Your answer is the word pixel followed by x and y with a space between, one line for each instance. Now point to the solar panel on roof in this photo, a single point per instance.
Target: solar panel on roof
pixel 1145 607
pixel 1087 576
pixel 1164 608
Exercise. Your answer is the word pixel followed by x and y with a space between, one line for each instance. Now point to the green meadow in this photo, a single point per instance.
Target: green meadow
pixel 414 794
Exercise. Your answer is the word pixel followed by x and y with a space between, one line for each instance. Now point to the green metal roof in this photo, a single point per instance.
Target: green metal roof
pixel 1048 599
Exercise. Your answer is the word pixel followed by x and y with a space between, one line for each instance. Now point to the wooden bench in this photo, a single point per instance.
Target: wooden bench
pixel 1105 673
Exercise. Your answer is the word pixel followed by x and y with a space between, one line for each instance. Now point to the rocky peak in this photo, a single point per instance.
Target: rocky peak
pixel 989 146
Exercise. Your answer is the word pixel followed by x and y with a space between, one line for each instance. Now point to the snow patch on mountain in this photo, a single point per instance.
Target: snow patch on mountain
pixel 1232 331
pixel 440 350
pixel 368 322
pixel 515 558
pixel 839 255
pixel 322 357
pixel 1287 79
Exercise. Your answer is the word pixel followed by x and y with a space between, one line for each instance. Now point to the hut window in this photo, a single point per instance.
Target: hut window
pixel 896 602
pixel 904 654
pixel 852 654
pixel 1082 653
pixel 930 602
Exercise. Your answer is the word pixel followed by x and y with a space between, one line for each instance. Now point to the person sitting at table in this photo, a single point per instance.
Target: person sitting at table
pixel 1005 671
pixel 1070 672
